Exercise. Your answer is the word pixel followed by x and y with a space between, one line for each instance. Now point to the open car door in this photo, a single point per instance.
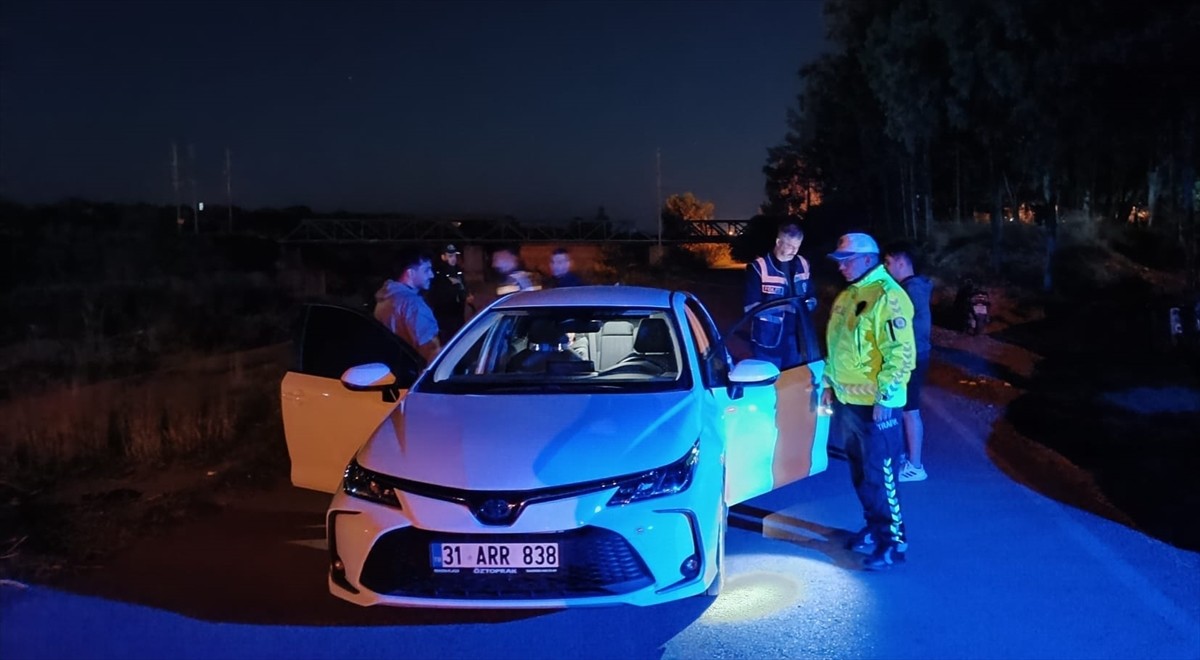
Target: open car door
pixel 324 422
pixel 774 435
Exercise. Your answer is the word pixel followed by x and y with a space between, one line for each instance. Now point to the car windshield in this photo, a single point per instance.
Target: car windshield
pixel 558 349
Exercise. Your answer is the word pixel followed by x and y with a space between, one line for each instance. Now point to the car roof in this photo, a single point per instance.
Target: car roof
pixel 595 296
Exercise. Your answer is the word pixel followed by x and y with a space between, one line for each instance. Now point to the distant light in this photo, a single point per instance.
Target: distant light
pixel 201 206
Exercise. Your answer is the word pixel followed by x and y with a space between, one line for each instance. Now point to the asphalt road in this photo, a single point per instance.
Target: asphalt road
pixel 995 570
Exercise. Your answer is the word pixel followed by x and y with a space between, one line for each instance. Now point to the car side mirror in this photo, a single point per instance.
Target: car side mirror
pixel 751 372
pixel 373 377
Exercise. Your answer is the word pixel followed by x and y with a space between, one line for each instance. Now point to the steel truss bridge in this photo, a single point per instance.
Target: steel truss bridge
pixel 500 231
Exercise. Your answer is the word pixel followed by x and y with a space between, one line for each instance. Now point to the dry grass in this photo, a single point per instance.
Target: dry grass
pixel 193 407
pixel 89 468
pixel 714 255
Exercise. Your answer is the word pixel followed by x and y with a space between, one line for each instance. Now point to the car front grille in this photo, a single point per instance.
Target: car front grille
pixel 594 562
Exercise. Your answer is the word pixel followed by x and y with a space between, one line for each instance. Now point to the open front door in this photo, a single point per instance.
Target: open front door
pixel 774 435
pixel 323 421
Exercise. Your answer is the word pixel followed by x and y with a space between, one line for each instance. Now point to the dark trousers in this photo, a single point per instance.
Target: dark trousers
pixel 873 451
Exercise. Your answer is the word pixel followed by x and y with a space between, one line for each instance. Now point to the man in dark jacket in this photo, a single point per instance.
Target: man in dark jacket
pixel 900 258
pixel 448 295
pixel 777 334
pixel 560 269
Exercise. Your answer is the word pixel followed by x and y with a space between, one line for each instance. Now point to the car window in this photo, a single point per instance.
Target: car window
pixel 333 339
pixel 807 337
pixel 714 361
pixel 563 349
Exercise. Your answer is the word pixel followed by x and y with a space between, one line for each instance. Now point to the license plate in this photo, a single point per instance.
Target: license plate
pixel 981 309
pixel 493 555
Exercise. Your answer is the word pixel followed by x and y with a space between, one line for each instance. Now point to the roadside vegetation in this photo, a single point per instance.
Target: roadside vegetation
pixel 134 361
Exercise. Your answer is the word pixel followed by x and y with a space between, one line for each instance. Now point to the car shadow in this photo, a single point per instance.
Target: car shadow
pixel 265 566
pixel 255 567
pixel 829 541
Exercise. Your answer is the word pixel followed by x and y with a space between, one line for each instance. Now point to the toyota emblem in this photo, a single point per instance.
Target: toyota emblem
pixel 494 511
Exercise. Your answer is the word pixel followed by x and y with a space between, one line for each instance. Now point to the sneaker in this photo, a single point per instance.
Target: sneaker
pixel 911 472
pixel 862 542
pixel 885 556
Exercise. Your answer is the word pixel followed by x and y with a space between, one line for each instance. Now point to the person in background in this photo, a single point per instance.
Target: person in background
pixel 513 278
pixel 448 295
pixel 900 261
pixel 780 273
pixel 400 307
pixel 871 354
pixel 560 269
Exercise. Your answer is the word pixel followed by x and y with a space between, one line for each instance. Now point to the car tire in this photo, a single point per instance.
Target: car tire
pixel 714 589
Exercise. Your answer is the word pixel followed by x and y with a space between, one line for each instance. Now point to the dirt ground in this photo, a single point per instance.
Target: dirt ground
pixel 1095 413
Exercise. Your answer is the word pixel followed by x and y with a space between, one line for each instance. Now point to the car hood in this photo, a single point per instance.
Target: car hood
pixel 514 442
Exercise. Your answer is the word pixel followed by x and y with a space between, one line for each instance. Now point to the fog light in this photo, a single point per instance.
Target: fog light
pixel 338 566
pixel 690 567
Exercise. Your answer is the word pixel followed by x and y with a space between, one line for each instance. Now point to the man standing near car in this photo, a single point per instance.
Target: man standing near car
pixel 513 278
pixel 560 269
pixel 900 261
pixel 872 353
pixel 780 273
pixel 448 294
pixel 399 305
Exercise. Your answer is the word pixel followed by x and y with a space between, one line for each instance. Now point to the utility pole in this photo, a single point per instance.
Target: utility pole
pixel 195 201
pixel 658 211
pixel 175 185
pixel 228 191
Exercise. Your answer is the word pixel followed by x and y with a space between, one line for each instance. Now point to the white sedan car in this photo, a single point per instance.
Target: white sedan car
pixel 568 447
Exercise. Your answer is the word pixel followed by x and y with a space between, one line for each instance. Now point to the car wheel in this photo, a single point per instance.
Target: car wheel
pixel 714 589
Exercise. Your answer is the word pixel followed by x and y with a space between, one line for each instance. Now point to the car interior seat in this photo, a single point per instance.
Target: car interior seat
pixel 652 350
pixel 653 342
pixel 546 343
pixel 616 341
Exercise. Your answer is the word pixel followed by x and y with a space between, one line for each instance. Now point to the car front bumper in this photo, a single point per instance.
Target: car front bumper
pixel 641 554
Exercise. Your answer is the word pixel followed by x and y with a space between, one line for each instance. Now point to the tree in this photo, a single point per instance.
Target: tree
pixel 835 152
pixel 679 210
pixel 1001 103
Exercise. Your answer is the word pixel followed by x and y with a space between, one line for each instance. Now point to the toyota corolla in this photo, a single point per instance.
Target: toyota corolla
pixel 568 447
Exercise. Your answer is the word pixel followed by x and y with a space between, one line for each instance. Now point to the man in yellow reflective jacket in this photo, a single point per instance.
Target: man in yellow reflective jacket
pixel 872 352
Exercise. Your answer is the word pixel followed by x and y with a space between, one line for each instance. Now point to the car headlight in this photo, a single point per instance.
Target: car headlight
pixel 364 484
pixel 668 480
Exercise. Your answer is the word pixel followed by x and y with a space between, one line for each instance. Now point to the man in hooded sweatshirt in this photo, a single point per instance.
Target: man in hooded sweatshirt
pixel 901 263
pixel 399 305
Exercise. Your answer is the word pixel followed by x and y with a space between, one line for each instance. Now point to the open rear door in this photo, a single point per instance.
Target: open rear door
pixel 323 421
pixel 774 435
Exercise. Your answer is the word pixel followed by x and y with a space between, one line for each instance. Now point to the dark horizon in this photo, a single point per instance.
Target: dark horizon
pixel 535 110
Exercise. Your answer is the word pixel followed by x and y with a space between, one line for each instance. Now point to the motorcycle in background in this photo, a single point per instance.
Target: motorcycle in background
pixel 973 305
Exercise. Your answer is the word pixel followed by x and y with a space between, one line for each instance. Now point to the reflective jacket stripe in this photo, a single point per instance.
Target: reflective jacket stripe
pixel 765 275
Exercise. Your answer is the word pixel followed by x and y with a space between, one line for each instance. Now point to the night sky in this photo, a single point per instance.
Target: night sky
pixel 539 110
